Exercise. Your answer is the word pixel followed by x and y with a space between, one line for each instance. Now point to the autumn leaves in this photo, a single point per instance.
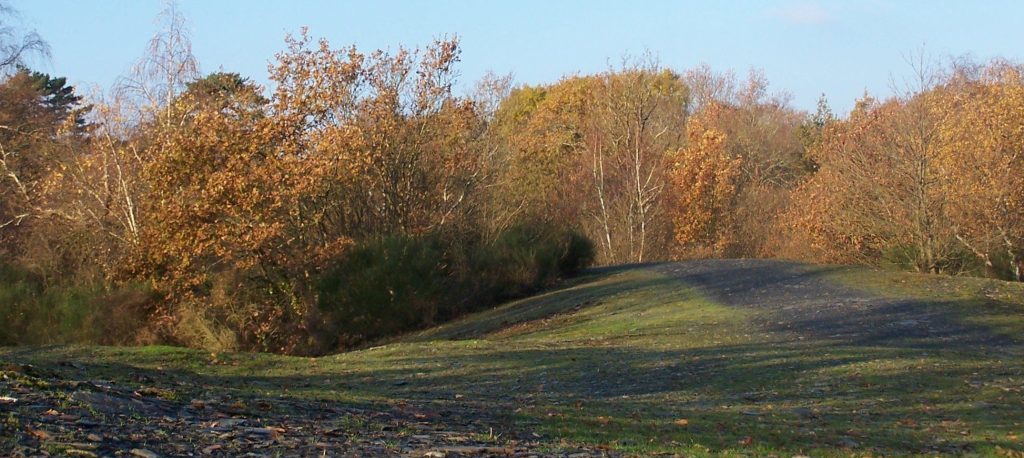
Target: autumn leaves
pixel 931 180
pixel 230 201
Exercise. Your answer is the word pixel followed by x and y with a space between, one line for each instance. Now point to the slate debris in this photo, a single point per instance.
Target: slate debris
pixel 44 414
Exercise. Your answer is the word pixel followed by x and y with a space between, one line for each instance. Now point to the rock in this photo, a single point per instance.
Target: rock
pixel 143 453
pixel 848 443
pixel 39 434
pixel 94 437
pixel 435 454
pixel 229 423
pixel 82 446
pixel 268 432
pixel 114 405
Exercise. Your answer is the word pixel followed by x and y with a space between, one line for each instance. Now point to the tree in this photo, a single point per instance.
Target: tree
pixel 16 45
pixel 402 143
pixel 758 132
pixel 39 116
pixel 880 192
pixel 983 154
pixel 590 151
pixel 106 185
pixel 218 201
pixel 539 128
pixel 635 120
pixel 164 70
pixel 704 177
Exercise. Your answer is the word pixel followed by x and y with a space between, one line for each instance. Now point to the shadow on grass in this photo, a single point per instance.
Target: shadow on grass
pixel 594 287
pixel 800 299
pixel 839 369
pixel 787 396
pixel 789 298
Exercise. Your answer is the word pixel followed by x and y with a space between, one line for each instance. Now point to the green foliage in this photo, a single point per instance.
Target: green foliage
pixel 401 283
pixel 526 258
pixel 32 312
pixel 58 96
pixel 908 256
pixel 579 254
pixel 384 287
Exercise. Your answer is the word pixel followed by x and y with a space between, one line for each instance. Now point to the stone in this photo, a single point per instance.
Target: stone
pixel 143 453
pixel 114 405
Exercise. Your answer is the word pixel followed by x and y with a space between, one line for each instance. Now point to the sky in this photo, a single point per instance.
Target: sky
pixel 805 47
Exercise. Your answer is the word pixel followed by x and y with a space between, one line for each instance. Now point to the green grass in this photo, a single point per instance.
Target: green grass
pixel 640 363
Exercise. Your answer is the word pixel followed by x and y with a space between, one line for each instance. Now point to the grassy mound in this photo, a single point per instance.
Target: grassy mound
pixel 715 359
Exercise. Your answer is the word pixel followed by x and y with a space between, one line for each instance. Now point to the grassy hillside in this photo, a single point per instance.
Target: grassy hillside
pixel 703 358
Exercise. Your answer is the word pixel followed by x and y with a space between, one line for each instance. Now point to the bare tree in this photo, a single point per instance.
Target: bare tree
pixel 16 45
pixel 638 116
pixel 166 67
pixel 108 183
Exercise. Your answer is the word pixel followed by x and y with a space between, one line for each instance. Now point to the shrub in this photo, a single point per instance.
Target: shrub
pixel 32 312
pixel 397 284
pixel 529 257
pixel 579 254
pixel 384 287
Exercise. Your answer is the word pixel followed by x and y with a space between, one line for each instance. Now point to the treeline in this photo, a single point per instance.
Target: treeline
pixel 350 203
pixel 364 197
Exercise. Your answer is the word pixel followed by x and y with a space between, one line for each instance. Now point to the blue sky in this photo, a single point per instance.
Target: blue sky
pixel 805 47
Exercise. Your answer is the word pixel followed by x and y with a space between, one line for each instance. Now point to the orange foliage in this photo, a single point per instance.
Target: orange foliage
pixel 704 179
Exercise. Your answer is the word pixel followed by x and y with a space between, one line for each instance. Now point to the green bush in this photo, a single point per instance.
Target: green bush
pixel 397 284
pixel 384 287
pixel 954 259
pixel 32 312
pixel 526 258
pixel 579 254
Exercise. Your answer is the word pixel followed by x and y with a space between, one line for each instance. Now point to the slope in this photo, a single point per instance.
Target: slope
pixel 723 357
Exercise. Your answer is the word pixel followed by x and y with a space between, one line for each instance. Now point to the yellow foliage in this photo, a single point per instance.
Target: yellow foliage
pixel 704 180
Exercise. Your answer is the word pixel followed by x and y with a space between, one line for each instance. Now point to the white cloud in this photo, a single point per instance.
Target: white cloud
pixel 801 13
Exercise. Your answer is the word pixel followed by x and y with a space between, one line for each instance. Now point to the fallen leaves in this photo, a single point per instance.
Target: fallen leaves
pixel 39 434
pixel 907 423
pixel 1009 453
pixel 79 418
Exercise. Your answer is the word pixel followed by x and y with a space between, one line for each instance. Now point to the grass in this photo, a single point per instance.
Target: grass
pixel 640 363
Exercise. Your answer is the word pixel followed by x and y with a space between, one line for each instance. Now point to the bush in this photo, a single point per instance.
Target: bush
pixel 384 287
pixel 32 312
pixel 401 283
pixel 579 254
pixel 525 258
